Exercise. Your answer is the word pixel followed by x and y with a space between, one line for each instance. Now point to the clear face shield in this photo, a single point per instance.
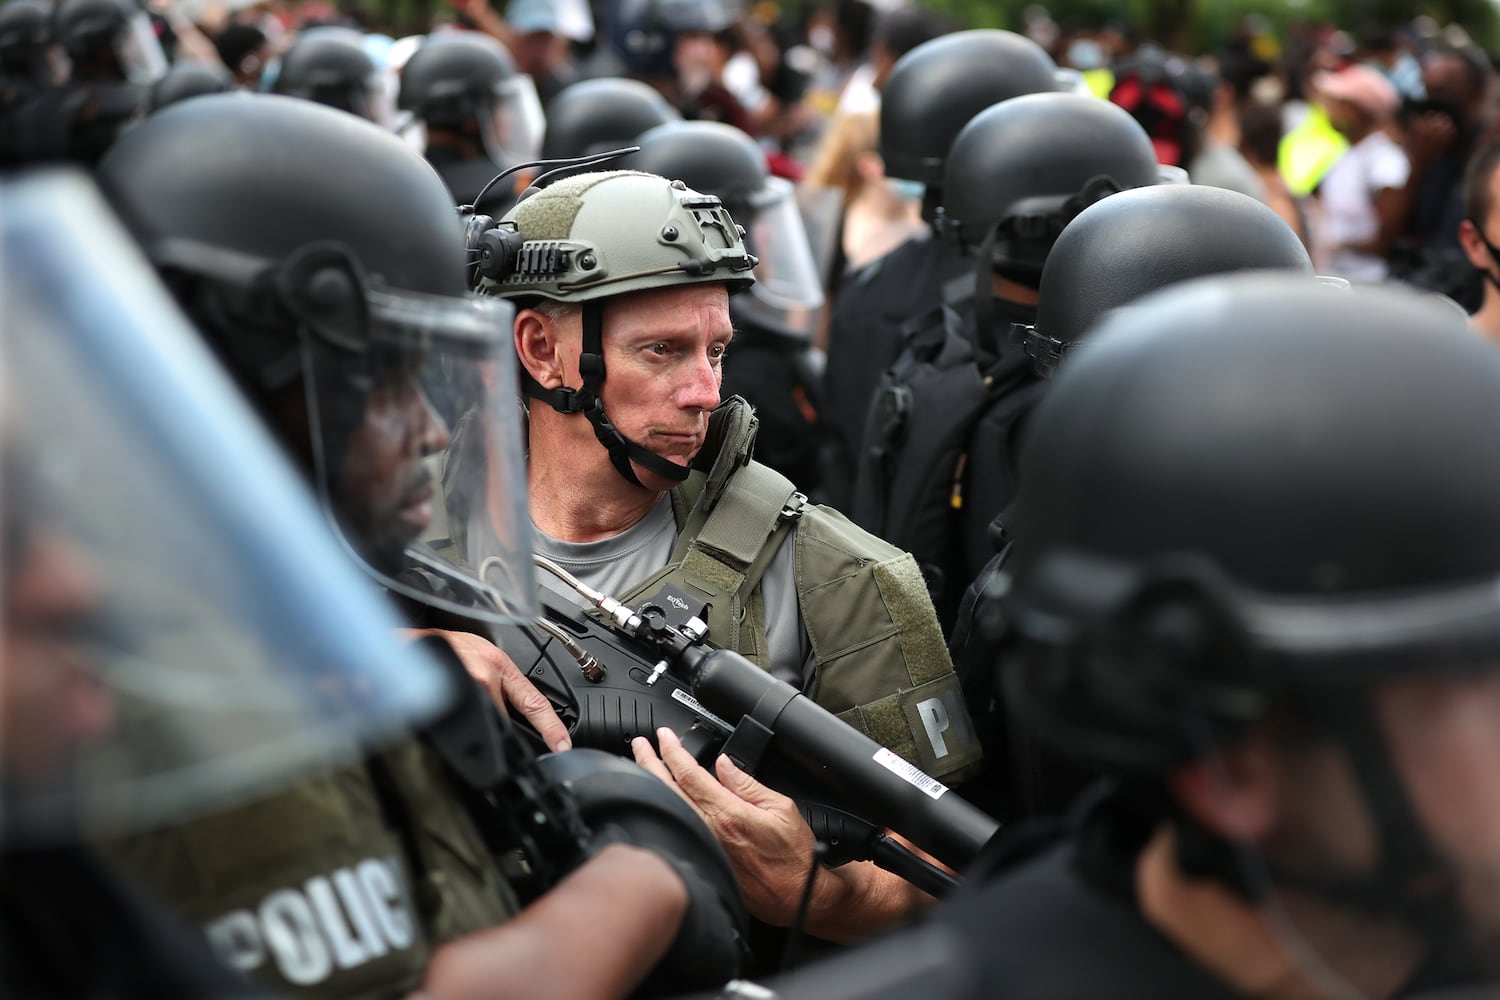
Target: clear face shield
pixel 512 130
pixel 372 98
pixel 1379 871
pixel 380 105
pixel 139 51
pixel 1376 865
pixel 180 633
pixel 788 292
pixel 416 441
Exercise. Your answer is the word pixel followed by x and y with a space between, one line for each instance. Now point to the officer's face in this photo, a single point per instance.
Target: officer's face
pixel 1444 734
pixel 51 704
pixel 384 487
pixel 663 362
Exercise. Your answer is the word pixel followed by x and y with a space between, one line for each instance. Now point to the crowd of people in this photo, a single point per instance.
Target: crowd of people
pixel 658 498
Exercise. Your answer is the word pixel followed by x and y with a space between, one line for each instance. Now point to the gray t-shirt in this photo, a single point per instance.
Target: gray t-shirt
pixel 615 564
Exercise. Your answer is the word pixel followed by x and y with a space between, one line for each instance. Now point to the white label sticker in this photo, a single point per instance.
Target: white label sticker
pixel 910 773
pixel 678 694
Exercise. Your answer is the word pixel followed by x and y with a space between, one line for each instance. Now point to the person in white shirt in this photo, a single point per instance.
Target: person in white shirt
pixel 1360 195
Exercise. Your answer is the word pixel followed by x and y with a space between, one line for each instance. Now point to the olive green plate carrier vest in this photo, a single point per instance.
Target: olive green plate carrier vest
pixel 878 652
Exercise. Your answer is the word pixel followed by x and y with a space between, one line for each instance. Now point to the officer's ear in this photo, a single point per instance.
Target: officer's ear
pixel 539 341
pixel 1474 248
pixel 1236 790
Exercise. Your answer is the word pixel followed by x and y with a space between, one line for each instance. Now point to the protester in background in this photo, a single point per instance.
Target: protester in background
pixel 877 213
pixel 1439 136
pixel 1260 138
pixel 897 32
pixel 1361 194
pixel 245 50
pixel 1213 115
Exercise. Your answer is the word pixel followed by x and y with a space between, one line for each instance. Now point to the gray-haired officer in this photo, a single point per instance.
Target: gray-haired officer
pixel 638 477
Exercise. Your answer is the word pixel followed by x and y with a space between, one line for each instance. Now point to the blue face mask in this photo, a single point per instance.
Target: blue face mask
pixel 903 188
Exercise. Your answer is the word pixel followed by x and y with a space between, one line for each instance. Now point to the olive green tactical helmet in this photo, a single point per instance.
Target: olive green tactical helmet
pixel 596 235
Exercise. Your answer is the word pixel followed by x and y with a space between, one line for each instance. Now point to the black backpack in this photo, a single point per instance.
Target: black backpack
pixel 919 472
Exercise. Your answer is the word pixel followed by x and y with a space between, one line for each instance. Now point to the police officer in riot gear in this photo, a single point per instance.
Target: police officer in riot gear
pixel 1318 682
pixel 115 57
pixel 639 478
pixel 1283 654
pixel 1146 241
pixel 932 93
pixel 350 330
pixel 190 79
pixel 146 672
pixel 26 70
pixel 329 65
pixel 774 366
pixel 479 116
pixel 1113 253
pixel 24 37
pixel 595 116
pixel 936 463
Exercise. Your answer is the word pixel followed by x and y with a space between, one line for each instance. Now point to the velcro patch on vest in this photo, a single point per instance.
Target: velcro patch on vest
pixel 939 719
pixel 699 566
pixel 885 723
pixel 921 638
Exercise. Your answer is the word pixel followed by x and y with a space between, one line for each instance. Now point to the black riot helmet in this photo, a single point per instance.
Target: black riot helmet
pixel 179 633
pixel 332 275
pixel 1021 170
pixel 595 116
pixel 329 65
pixel 24 36
pixel 722 160
pixel 108 40
pixel 1139 241
pixel 466 81
pixel 190 79
pixel 938 86
pixel 1210 534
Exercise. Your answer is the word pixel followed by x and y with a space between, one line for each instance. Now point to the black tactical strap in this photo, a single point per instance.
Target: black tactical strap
pixel 985 334
pixel 585 400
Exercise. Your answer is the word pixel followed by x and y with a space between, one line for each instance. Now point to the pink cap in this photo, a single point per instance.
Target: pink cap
pixel 1365 88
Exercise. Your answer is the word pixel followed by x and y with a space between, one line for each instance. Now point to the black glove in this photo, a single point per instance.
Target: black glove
pixel 624 803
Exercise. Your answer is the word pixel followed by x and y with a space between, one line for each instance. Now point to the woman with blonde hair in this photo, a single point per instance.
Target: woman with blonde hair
pixel 875 214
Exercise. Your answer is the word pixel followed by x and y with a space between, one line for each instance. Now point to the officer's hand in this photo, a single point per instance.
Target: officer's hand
pixel 768 842
pixel 488 664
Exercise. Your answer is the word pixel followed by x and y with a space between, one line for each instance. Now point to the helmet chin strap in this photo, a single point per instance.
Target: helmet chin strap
pixel 585 400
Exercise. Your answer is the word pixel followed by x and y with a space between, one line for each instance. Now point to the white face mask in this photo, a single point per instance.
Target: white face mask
pixel 821 38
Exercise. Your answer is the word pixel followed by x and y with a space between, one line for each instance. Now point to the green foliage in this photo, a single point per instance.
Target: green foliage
pixel 1202 25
